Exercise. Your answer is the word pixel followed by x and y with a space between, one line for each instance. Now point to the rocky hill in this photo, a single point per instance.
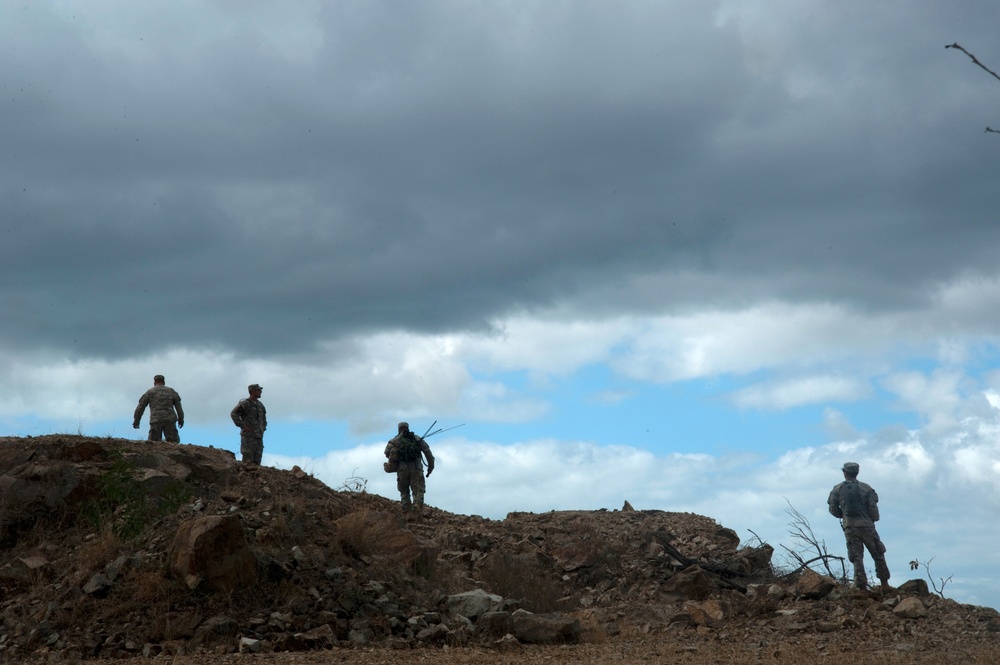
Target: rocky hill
pixel 113 548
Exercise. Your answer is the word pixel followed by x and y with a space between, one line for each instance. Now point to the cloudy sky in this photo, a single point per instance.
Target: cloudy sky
pixel 690 254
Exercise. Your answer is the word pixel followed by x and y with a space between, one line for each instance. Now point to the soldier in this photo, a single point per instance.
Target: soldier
pixel 406 449
pixel 165 412
pixel 251 417
pixel 856 505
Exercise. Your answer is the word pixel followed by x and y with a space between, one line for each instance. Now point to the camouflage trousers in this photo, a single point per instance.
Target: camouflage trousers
pixel 251 448
pixel 164 429
pixel 858 539
pixel 410 477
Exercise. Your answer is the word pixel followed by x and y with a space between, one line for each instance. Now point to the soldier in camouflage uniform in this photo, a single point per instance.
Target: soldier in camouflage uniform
pixel 251 417
pixel 165 412
pixel 856 505
pixel 410 473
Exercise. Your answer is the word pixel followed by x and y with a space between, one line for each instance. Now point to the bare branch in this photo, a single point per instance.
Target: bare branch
pixel 976 60
pixel 916 563
pixel 989 130
pixel 802 531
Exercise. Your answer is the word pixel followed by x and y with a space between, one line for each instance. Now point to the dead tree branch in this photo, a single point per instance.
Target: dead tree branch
pixel 802 531
pixel 916 563
pixel 983 67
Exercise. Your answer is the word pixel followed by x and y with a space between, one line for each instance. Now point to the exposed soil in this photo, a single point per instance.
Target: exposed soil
pixel 89 550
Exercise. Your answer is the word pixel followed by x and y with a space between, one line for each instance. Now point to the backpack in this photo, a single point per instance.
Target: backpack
pixel 408 448
pixel 850 501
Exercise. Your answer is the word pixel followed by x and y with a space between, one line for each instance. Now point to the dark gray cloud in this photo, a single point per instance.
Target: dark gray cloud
pixel 261 182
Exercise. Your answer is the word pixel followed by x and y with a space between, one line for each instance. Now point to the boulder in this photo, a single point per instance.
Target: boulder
pixel 812 585
pixel 212 553
pixel 692 583
pixel 545 628
pixel 495 624
pixel 25 569
pixel 917 586
pixel 910 608
pixel 710 613
pixel 472 604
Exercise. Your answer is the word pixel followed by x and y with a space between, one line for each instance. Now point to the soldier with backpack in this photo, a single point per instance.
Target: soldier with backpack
pixel 404 454
pixel 856 505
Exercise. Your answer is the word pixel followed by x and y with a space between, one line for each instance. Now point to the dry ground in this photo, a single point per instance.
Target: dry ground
pixel 601 560
pixel 665 651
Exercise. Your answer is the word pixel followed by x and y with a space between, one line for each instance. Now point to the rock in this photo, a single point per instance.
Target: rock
pixel 910 607
pixel 692 583
pixel 545 628
pixel 212 553
pixel 812 585
pixel 710 613
pixel 755 559
pixel 627 507
pixel 249 645
pixel 25 569
pixel 917 586
pixel 214 629
pixel 495 624
pixel 433 634
pixel 472 604
pixel 98 585
pixel 359 637
pixel 321 637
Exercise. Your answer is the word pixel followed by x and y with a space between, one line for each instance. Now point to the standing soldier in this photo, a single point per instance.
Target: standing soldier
pixel 165 412
pixel 405 449
pixel 251 417
pixel 856 505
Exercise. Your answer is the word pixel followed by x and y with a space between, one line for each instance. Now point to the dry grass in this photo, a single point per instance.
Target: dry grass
pixel 516 576
pixel 364 532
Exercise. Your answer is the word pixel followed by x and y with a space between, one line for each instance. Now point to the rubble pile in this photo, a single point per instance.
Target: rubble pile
pixel 112 548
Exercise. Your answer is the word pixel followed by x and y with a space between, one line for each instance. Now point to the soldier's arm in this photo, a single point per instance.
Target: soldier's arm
pixel 237 415
pixel 179 410
pixel 427 453
pixel 873 506
pixel 137 416
pixel 833 504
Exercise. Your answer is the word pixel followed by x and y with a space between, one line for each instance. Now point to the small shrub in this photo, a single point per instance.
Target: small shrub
pixel 361 532
pixel 125 505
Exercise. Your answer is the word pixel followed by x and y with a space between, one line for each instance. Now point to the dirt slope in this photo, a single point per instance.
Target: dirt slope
pixel 103 555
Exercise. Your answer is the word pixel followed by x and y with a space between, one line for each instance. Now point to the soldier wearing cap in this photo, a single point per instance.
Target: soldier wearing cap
pixel 856 505
pixel 406 450
pixel 165 412
pixel 251 417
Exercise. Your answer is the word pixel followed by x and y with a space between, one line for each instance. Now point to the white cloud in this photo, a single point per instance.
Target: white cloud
pixel 804 390
pixel 826 354
pixel 670 348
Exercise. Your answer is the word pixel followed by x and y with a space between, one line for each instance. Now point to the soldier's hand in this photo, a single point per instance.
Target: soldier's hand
pixel 180 423
pixel 429 469
pixel 135 425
